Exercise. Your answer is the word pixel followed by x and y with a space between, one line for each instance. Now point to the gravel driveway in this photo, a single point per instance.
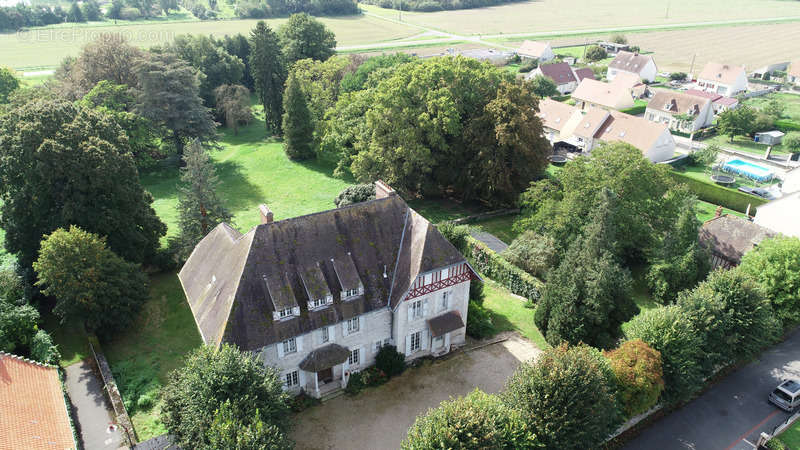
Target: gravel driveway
pixel 378 418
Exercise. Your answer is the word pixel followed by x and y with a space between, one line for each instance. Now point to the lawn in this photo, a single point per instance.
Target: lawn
pixel 791 436
pixel 744 144
pixel 509 313
pixel 142 357
pixel 702 173
pixel 706 211
pixel 499 226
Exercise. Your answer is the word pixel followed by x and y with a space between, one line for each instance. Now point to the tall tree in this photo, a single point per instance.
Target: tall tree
pixel 8 83
pixel 736 122
pixel 238 45
pixel 75 14
pixel 269 73
pixel 209 58
pixel 303 36
pixel 169 96
pixel 230 382
pixel 233 104
pixel 70 165
pixel 91 11
pixel 199 208
pixel 543 86
pixel 588 296
pixel 775 265
pixel 298 126
pixel 91 283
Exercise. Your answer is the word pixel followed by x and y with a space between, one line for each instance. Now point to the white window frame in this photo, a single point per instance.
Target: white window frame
pixel 416 309
pixel 291 379
pixel 285 312
pixel 354 358
pixel 353 326
pixel 289 346
pixel 326 335
pixel 416 342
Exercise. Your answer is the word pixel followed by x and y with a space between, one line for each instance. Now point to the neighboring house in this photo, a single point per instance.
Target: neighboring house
pixel 781 215
pixel 729 237
pixel 635 63
pixel 723 79
pixel 317 296
pixel 597 94
pixel 773 137
pixel 719 103
pixel 584 72
pixel 561 73
pixel 33 412
pixel 679 111
pixel 632 82
pixel 575 130
pixel 540 51
pixel 793 73
pixel 488 54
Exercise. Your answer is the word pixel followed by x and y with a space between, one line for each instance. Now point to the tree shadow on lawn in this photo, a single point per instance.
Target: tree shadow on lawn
pixel 237 191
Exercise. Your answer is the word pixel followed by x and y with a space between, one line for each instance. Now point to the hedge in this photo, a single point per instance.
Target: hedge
pixel 634 110
pixel 719 195
pixel 787 125
pixel 498 269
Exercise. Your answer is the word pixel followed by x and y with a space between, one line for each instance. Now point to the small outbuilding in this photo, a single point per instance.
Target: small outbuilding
pixel 773 137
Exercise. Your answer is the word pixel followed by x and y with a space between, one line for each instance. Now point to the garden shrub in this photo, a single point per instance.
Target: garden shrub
pixel 640 377
pixel 479 321
pixel 567 397
pixel 775 265
pixel 476 293
pixel 390 361
pixel 456 234
pixel 373 376
pixel 43 349
pixel 528 66
pixel 494 266
pixel 595 53
pixel 533 252
pixel 787 125
pixel 634 110
pixel 354 384
pixel 302 401
pixel 718 195
pixel 355 194
pixel 477 421
pixel 670 332
pixel 705 156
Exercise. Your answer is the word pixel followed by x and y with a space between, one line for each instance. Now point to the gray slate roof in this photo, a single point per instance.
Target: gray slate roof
pixel 445 323
pixel 224 278
pixel 324 358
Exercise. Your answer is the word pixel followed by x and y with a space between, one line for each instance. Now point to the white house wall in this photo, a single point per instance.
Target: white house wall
pixel 663 149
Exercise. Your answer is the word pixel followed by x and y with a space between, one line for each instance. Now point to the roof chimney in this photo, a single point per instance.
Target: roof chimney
pixel 383 190
pixel 266 213
pixel 718 212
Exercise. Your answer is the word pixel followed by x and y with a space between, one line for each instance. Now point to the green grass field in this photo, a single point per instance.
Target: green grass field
pixel 703 174
pixel 509 313
pixel 500 227
pixel 744 144
pixel 791 437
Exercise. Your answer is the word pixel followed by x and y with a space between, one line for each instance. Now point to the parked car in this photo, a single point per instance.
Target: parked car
pixel 787 395
pixel 758 192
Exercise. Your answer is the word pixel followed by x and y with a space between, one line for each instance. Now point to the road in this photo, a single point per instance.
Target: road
pixel 92 410
pixel 733 413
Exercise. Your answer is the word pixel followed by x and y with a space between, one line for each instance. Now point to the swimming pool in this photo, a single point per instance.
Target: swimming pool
pixel 749 170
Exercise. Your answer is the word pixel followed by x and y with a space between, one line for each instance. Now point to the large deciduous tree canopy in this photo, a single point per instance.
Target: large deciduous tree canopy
pixel 169 96
pixel 233 105
pixel 8 83
pixel 90 283
pixel 268 66
pixel 303 36
pixel 217 390
pixel 439 125
pixel 65 164
pixel 566 396
pixel 640 378
pixel 477 421
pixel 775 265
pixel 588 296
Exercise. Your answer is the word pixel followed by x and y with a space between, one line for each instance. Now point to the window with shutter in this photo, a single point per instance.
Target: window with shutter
pixel 325 335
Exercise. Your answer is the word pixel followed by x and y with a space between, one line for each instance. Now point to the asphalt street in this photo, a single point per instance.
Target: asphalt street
pixel 733 413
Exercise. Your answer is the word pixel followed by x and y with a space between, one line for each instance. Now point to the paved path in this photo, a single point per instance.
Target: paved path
pixel 92 410
pixel 733 413
pixel 379 418
pixel 491 241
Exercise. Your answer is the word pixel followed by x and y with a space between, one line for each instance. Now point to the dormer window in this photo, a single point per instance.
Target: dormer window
pixel 349 293
pixel 286 312
pixel 320 302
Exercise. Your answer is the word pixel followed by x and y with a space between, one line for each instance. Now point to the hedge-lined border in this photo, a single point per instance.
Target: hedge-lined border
pixel 634 110
pixel 718 195
pixel 494 266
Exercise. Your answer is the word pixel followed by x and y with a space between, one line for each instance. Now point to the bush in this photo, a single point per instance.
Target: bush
pixel 787 125
pixel 494 266
pixel 705 156
pixel 619 39
pixel 528 66
pixel 634 110
pixel 43 349
pixel 390 361
pixel 355 383
pixel 477 421
pixel 476 293
pixel 373 376
pixel 595 53
pixel 775 265
pixel 640 377
pixel 355 194
pixel 677 76
pixel 733 315
pixel 130 14
pixel 718 195
pixel 669 331
pixel 458 235
pixel 567 397
pixel 479 321
pixel 533 252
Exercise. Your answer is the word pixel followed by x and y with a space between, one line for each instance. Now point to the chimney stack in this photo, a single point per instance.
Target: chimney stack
pixel 383 190
pixel 266 213
pixel 718 212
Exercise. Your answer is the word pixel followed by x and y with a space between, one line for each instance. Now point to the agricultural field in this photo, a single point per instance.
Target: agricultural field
pixel 46 47
pixel 588 15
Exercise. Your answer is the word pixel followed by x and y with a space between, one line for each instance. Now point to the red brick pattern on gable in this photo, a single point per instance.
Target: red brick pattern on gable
pixel 33 414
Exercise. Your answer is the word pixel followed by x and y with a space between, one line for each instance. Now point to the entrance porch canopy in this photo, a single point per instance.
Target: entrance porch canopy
pixel 324 358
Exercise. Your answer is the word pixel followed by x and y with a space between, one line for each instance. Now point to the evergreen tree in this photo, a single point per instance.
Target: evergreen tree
pixel 297 124
pixel 589 296
pixel 169 96
pixel 75 14
pixel 269 73
pixel 199 208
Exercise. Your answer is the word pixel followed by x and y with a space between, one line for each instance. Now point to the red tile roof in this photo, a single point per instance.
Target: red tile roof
pixel 561 73
pixel 33 414
pixel 585 72
pixel 709 95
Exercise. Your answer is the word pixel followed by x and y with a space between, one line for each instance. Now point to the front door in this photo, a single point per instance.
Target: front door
pixel 325 376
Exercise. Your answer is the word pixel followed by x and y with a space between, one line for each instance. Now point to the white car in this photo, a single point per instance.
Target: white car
pixel 787 395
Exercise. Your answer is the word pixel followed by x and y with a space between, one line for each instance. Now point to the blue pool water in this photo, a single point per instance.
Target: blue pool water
pixel 749 170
